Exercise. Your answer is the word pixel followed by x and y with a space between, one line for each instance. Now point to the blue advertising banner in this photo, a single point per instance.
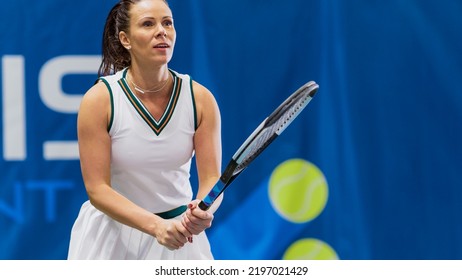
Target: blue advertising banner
pixel 369 171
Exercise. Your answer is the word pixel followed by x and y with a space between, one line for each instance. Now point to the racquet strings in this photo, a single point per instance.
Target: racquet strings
pixel 285 114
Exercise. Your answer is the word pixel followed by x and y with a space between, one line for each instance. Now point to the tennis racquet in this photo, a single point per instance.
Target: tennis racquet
pixel 261 137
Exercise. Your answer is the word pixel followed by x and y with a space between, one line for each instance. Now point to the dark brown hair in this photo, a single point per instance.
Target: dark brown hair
pixel 114 56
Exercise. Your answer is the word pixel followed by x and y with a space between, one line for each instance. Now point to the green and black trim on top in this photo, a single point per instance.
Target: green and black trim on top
pixel 156 126
pixel 111 121
pixel 193 103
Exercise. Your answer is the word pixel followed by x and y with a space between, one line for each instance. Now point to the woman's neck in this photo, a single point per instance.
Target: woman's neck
pixel 148 80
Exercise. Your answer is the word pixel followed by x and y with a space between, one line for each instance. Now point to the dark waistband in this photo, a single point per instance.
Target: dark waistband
pixel 172 213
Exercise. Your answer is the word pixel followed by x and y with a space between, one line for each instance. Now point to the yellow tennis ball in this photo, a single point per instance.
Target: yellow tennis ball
pixel 310 249
pixel 298 190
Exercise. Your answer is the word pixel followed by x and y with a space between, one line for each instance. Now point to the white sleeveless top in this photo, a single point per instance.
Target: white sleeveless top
pixel 150 165
pixel 151 158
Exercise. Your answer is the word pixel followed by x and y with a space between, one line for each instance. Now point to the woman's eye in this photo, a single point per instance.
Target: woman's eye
pixel 168 23
pixel 147 23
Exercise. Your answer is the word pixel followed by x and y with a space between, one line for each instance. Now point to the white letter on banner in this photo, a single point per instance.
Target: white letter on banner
pixel 52 95
pixel 14 116
pixel 50 80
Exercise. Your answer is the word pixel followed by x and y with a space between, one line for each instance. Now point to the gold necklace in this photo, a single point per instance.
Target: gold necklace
pixel 153 90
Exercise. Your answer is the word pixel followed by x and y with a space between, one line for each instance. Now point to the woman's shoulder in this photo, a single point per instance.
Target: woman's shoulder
pixel 102 89
pixel 98 93
pixel 201 92
pixel 113 78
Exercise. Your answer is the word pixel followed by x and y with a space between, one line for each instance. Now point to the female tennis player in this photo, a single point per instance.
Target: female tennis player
pixel 138 129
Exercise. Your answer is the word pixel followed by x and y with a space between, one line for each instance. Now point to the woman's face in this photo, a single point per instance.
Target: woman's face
pixel 151 36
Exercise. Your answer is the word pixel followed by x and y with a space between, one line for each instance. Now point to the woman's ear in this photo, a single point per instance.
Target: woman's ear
pixel 123 38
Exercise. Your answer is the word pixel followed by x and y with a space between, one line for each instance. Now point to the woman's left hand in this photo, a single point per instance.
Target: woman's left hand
pixel 196 220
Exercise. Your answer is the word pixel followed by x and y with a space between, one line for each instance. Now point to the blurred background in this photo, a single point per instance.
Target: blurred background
pixel 370 170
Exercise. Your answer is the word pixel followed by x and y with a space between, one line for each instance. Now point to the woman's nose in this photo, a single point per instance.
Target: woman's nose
pixel 162 32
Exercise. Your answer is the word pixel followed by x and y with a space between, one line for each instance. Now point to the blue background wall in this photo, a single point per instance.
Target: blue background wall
pixel 385 128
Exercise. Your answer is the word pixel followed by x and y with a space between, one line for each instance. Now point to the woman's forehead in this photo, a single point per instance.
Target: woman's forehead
pixel 149 8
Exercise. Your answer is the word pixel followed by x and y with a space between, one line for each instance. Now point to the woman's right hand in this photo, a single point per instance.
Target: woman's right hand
pixel 172 234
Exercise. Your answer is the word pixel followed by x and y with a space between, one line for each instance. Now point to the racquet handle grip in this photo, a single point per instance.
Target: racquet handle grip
pixel 203 206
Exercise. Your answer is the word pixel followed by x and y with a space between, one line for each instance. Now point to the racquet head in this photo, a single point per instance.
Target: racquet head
pixel 261 137
pixel 273 126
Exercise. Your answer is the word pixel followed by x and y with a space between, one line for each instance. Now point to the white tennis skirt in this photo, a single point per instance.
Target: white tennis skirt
pixel 97 236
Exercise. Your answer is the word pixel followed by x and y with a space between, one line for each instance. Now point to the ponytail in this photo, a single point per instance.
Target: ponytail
pixel 114 56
